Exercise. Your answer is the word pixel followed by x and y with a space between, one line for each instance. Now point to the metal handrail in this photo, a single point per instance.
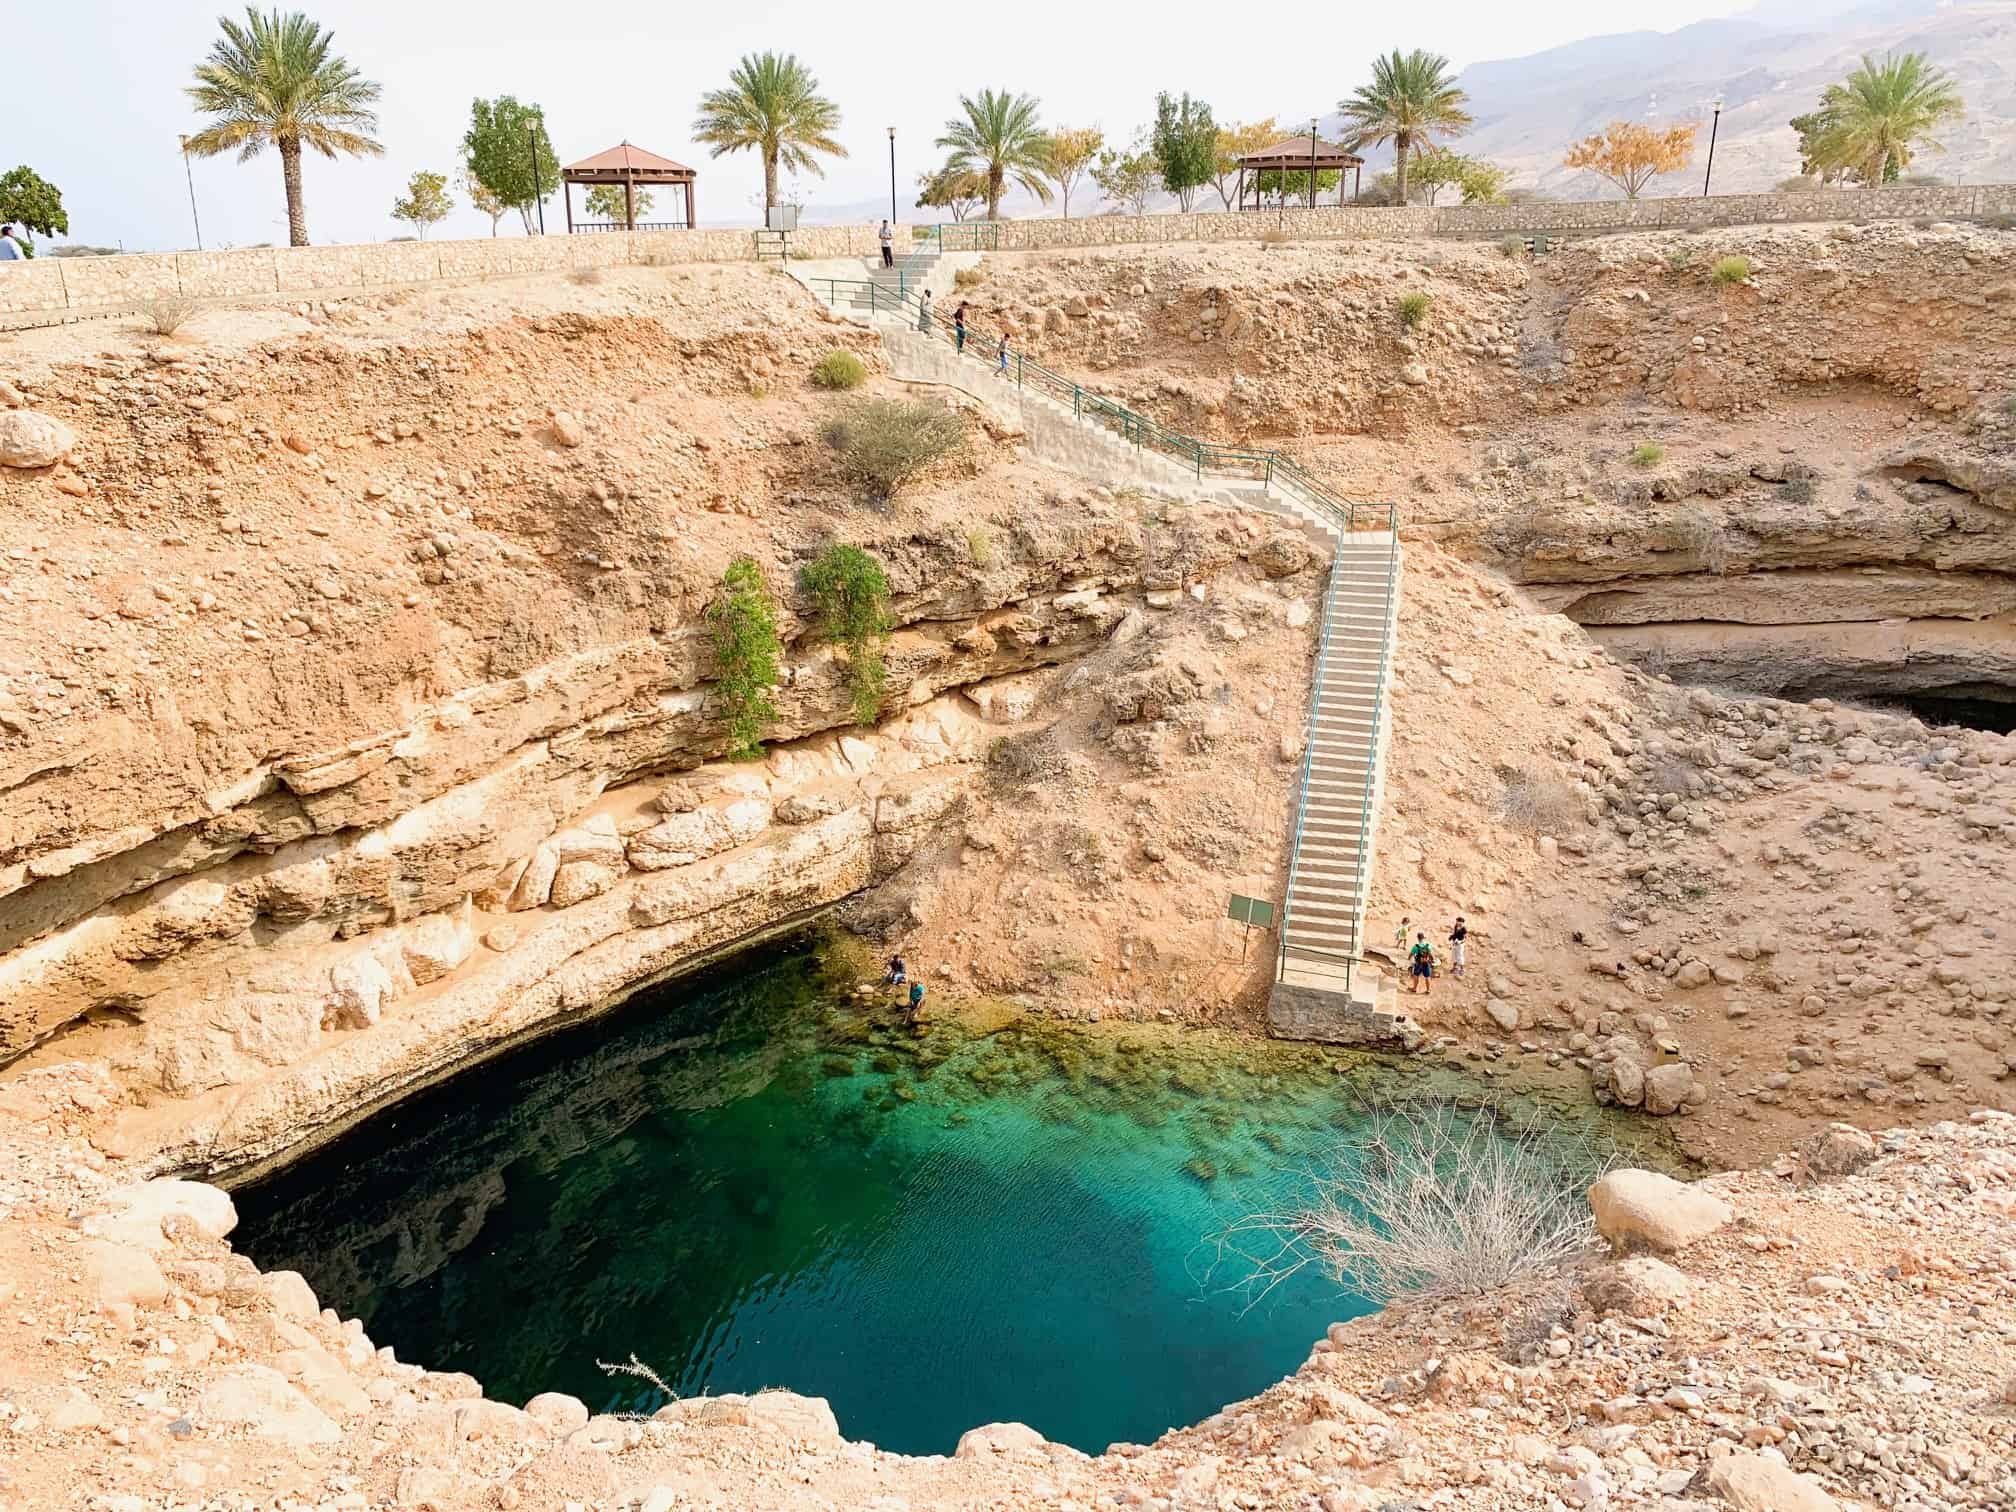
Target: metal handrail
pixel 1269 468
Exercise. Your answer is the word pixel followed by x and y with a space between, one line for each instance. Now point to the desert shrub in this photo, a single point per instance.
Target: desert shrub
pixel 1428 1200
pixel 1543 804
pixel 168 315
pixel 2009 406
pixel 1921 181
pixel 1016 762
pixel 758 389
pixel 1702 535
pixel 585 276
pixel 852 597
pixel 840 370
pixel 1731 270
pixel 979 545
pixel 2001 220
pixel 1680 259
pixel 883 443
pixel 1647 454
pixel 743 623
pixel 969 278
pixel 1511 246
pixel 1274 236
pixel 1414 308
pixel 1797 490
pixel 1799 183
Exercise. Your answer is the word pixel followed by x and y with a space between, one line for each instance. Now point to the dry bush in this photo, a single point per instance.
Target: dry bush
pixel 1731 270
pixel 969 278
pixel 1015 762
pixel 1647 454
pixel 1413 308
pixel 1701 534
pixel 1274 236
pixel 1427 1200
pixel 170 314
pixel 1512 246
pixel 1540 803
pixel 883 443
pixel 585 276
pixel 840 369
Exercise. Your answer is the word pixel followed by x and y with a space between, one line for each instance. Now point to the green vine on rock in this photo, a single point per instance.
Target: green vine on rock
pixel 853 601
pixel 746 651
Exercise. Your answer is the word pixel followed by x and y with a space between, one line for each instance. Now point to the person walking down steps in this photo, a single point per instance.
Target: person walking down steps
pixel 924 313
pixel 959 329
pixel 1001 356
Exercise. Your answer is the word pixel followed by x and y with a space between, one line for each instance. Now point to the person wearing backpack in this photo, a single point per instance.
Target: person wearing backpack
pixel 1421 966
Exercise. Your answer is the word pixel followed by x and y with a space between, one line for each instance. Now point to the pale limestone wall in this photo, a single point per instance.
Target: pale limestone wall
pixel 86 284
pixel 1680 211
pixel 1215 225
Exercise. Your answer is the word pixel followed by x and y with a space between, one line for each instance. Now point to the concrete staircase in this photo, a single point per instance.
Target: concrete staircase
pixel 914 272
pixel 1324 989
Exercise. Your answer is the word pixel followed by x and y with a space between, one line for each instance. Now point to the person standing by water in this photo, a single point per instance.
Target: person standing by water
pixel 1421 966
pixel 1459 944
pixel 959 329
pixel 898 972
pixel 924 313
pixel 916 1001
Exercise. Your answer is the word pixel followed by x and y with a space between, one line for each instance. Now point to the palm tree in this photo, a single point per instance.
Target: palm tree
pixel 274 82
pixel 1000 139
pixel 773 104
pixel 1875 116
pixel 1410 101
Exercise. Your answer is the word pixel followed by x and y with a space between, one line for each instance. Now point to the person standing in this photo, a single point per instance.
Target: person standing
pixel 959 329
pixel 1459 943
pixel 924 313
pixel 1421 967
pixel 1001 356
pixel 10 249
pixel 1400 933
pixel 888 239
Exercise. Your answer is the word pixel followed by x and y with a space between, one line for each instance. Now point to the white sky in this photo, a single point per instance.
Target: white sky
pixel 606 70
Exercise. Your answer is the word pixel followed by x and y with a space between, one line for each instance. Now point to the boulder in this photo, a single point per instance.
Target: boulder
pixel 1281 554
pixel 28 439
pixel 997 1438
pixel 360 989
pixel 1758 1483
pixel 803 808
pixel 1668 1086
pixel 557 1412
pixel 1627 1081
pixel 261 1398
pixel 567 430
pixel 1838 1150
pixel 1638 1286
pixel 578 881
pixel 1643 1209
pixel 434 946
pixel 136 1213
pixel 1502 1013
pixel 291 1295
pixel 322 1377
pixel 427 1487
pixel 1693 974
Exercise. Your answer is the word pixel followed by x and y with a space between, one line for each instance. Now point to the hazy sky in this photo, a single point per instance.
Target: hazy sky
pixel 95 101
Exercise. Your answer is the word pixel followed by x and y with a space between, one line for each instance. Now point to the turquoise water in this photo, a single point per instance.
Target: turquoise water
pixel 750 1179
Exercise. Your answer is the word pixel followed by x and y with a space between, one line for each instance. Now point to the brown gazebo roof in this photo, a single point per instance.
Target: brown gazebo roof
pixel 624 161
pixel 1293 152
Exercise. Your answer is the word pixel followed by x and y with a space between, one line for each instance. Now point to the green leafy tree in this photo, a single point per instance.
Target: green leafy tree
pixel 275 81
pixel 1410 102
pixel 1128 178
pixel 1478 182
pixel 1873 122
pixel 1234 142
pixel 956 189
pixel 427 202
pixel 510 154
pixel 605 202
pixel 743 624
pixel 1073 151
pixel 772 104
pixel 1185 143
pixel 482 199
pixel 1000 139
pixel 852 598
pixel 30 202
pixel 1285 185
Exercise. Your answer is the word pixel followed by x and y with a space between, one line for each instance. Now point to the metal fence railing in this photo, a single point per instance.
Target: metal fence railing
pixel 1270 469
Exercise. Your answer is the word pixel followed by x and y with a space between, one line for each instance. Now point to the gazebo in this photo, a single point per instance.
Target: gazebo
pixel 633 168
pixel 1301 154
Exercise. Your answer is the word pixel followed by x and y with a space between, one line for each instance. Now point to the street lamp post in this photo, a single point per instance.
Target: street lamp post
pixel 1312 162
pixel 538 185
pixel 1714 129
pixel 189 173
pixel 892 175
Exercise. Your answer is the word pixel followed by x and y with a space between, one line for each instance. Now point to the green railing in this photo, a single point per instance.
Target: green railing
pixel 964 236
pixel 1270 469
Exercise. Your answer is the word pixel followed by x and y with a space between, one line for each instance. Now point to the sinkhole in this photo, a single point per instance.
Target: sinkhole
pixel 759 1177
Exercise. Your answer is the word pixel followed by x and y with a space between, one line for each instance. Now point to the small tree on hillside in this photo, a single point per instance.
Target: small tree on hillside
pixel 1234 142
pixel 1286 186
pixel 605 202
pixel 1073 150
pixel 1631 155
pixel 743 624
pixel 1128 178
pixel 852 597
pixel 510 154
pixel 1185 144
pixel 27 200
pixel 959 190
pixel 427 202
pixel 1478 182
pixel 482 199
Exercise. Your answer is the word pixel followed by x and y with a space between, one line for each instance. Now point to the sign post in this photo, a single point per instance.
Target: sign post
pixel 1254 913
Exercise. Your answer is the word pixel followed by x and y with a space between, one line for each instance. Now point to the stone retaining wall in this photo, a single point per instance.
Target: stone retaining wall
pixel 83 285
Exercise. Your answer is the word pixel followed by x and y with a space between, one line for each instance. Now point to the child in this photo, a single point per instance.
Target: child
pixel 1400 934
pixel 1422 969
pixel 1459 939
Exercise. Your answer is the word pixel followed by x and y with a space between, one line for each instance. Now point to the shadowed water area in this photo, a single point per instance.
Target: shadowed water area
pixel 755 1178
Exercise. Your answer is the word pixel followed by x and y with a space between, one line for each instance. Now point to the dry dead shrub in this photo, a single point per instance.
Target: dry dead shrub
pixel 585 276
pixel 1543 804
pixel 883 443
pixel 1427 1200
pixel 168 315
pixel 1274 236
pixel 1017 762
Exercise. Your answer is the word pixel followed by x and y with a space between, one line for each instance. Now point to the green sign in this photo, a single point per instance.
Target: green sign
pixel 1251 911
